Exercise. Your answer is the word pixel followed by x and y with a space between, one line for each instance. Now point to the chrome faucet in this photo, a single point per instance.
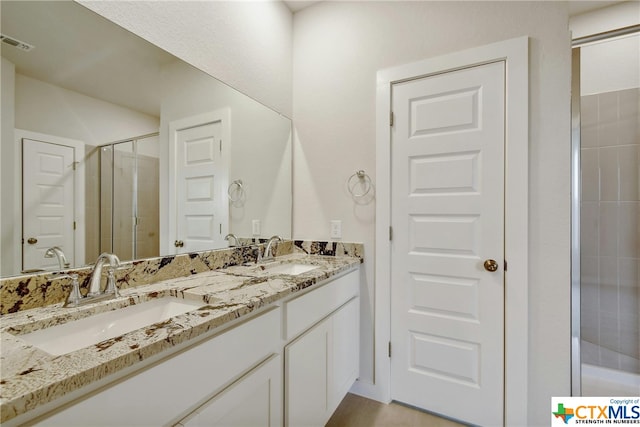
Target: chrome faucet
pixel 57 252
pixel 96 276
pixel 268 255
pixel 230 236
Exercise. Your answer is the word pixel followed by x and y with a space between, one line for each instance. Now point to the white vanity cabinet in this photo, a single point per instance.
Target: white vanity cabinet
pixel 253 400
pixel 289 365
pixel 322 364
pixel 166 392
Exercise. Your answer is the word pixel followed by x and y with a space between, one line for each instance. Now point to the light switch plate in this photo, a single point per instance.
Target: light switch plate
pixel 336 229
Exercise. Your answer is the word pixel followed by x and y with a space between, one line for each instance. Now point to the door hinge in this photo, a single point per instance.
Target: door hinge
pixel 389 349
pixel 390 118
pixel 74 225
pixel 221 146
pixel 390 233
pixel 220 228
pixel 505 265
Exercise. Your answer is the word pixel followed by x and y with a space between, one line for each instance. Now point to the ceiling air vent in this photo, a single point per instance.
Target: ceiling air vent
pixel 16 43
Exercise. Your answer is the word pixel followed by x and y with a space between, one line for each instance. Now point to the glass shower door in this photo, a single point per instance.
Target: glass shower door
pixel 609 220
pixel 129 198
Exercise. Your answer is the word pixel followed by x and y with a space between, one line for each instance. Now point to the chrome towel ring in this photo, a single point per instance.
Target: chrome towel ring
pixel 237 188
pixel 359 179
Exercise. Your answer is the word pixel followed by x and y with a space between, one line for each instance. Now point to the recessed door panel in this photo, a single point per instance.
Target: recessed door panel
pixel 446 234
pixel 442 174
pixel 451 360
pixel 445 112
pixel 449 296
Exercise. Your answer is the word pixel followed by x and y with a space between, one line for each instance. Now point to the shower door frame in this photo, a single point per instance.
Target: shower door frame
pixel 576 364
pixel 576 44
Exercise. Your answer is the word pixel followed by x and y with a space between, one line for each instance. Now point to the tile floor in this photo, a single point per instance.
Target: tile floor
pixel 357 411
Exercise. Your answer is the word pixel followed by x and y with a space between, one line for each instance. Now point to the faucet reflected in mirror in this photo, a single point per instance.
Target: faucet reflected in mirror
pixel 58 253
pixel 230 236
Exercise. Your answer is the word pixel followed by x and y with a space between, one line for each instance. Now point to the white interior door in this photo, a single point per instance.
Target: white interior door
pixel 47 203
pixel 200 178
pixel 448 219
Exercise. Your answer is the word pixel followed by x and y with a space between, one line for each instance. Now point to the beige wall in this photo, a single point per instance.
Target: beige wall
pixel 7 166
pixel 339 47
pixel 52 110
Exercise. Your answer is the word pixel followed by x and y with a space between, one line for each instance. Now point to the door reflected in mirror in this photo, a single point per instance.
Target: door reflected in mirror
pixel 100 144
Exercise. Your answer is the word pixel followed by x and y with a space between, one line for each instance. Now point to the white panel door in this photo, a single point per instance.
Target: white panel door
pixel 201 179
pixel 47 203
pixel 448 219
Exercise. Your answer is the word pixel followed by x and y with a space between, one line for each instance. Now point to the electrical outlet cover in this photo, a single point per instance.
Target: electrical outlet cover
pixel 336 229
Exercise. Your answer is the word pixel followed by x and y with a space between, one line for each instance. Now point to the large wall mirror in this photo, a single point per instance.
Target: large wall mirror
pixel 112 144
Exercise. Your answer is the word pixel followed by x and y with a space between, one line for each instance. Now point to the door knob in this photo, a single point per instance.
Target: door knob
pixel 32 240
pixel 178 243
pixel 490 265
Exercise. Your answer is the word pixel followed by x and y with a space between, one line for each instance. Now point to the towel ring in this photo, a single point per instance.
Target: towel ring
pixel 364 179
pixel 235 187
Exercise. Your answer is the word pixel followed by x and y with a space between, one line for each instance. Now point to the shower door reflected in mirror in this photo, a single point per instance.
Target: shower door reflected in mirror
pixel 128 200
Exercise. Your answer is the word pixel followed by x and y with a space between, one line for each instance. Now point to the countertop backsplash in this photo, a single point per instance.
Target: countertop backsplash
pixel 25 292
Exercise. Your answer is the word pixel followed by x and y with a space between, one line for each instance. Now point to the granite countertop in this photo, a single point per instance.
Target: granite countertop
pixel 30 377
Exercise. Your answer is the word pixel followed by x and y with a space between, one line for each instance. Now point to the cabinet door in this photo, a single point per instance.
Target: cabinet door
pixel 253 400
pixel 345 354
pixel 306 388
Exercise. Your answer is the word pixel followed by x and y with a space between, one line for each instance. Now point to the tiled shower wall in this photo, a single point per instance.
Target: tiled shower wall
pixel 610 229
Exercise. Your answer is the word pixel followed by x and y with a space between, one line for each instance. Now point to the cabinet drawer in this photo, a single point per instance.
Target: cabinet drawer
pixel 303 312
pixel 177 385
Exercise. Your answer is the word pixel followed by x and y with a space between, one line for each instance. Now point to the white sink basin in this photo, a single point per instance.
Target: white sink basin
pixel 68 337
pixel 290 269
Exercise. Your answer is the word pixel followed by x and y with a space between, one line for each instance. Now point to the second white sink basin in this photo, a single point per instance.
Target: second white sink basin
pixel 290 269
pixel 77 334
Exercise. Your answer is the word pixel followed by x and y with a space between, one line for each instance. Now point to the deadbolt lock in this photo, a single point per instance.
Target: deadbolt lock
pixel 490 265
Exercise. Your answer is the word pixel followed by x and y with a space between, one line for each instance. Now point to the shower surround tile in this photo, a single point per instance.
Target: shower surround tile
pixel 610 227
pixel 629 164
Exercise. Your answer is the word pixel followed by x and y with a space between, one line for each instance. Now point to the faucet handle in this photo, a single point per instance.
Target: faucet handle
pixel 111 281
pixel 75 296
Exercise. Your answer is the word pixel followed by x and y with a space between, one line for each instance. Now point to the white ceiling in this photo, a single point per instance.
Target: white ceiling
pixel 78 50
